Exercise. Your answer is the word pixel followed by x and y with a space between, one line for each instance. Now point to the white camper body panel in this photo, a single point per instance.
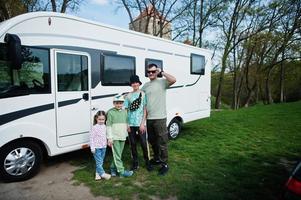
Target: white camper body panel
pixel 65 128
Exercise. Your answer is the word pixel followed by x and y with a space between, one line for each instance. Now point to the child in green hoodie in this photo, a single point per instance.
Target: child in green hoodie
pixel 116 135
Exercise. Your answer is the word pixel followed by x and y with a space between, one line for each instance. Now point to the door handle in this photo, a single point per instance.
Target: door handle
pixel 86 96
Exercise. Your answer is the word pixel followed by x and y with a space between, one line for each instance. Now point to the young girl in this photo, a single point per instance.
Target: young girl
pixel 98 144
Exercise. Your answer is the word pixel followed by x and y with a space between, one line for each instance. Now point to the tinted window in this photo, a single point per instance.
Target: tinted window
pixel 96 61
pixel 5 69
pixel 148 61
pixel 117 69
pixel 197 64
pixel 32 78
pixel 72 72
pixel 95 68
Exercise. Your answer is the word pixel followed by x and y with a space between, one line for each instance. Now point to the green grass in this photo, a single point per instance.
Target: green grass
pixel 243 154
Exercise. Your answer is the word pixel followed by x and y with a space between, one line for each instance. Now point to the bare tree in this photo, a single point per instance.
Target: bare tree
pixel 271 47
pixel 11 8
pixel 286 31
pixel 199 16
pixel 207 18
pixel 64 5
pixel 234 31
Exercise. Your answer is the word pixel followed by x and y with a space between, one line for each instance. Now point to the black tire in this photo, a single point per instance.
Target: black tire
pixel 174 129
pixel 23 162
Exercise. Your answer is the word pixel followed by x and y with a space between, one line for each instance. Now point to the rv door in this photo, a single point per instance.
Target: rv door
pixel 72 85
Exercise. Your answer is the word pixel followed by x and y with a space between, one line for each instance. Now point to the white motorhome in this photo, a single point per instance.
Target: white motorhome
pixel 57 70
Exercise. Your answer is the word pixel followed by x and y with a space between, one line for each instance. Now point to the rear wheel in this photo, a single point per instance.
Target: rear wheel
pixel 20 160
pixel 174 129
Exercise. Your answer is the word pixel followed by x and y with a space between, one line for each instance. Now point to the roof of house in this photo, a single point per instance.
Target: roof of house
pixel 151 11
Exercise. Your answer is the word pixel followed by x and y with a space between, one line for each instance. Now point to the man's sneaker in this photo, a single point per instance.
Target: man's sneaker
pixel 97 177
pixel 163 170
pixel 106 176
pixel 126 173
pixel 113 172
pixel 155 162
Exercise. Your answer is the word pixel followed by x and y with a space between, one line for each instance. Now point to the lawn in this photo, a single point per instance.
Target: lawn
pixel 243 154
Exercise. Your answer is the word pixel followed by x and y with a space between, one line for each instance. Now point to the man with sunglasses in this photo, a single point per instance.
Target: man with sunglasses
pixel 155 91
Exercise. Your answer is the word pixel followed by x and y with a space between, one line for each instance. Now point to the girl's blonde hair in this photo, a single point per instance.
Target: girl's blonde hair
pixel 99 113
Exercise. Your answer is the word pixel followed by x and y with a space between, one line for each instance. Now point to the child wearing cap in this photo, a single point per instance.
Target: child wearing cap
pixel 135 103
pixel 116 134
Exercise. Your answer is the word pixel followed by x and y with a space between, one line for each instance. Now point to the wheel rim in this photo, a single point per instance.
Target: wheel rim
pixel 19 161
pixel 174 130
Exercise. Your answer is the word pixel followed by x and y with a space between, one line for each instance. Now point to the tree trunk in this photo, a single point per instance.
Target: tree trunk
pixel 257 91
pixel 131 17
pixel 193 23
pixel 64 6
pixel 282 77
pixel 220 83
pixel 251 93
pixel 234 91
pixel 201 24
pixel 148 18
pixel 240 89
pixel 53 4
pixel 249 90
pixel 268 92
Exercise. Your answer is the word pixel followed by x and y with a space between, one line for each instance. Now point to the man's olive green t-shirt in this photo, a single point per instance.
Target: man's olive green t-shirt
pixel 155 92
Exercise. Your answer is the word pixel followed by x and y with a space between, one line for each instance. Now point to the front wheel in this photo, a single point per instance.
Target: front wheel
pixel 20 160
pixel 174 129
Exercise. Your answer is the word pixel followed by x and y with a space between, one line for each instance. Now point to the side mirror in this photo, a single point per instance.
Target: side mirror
pixel 14 50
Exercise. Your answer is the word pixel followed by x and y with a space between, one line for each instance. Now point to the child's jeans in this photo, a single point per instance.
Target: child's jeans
pixel 99 156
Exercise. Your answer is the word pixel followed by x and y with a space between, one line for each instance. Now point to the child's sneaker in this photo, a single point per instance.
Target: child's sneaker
pixel 113 172
pixel 106 176
pixel 126 173
pixel 97 177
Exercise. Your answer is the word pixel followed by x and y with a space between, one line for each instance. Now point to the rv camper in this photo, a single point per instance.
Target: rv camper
pixel 57 71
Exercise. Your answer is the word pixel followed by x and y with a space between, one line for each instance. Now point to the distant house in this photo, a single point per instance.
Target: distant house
pixel 150 21
pixel 187 41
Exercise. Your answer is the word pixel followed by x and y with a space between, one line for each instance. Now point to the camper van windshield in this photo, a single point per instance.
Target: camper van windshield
pixel 32 78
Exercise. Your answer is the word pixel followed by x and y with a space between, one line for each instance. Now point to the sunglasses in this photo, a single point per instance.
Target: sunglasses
pixel 151 71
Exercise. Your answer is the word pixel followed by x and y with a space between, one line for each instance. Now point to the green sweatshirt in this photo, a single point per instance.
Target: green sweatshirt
pixel 117 124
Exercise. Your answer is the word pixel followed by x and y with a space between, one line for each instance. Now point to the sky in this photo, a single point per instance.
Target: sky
pixel 104 11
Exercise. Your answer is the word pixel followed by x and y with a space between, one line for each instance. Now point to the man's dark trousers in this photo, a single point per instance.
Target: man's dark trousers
pixel 158 138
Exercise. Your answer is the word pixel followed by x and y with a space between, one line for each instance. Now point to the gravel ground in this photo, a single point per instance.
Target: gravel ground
pixel 52 182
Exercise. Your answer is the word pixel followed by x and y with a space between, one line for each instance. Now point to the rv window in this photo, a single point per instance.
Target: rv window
pixel 72 72
pixel 117 69
pixel 197 64
pixel 32 78
pixel 148 61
